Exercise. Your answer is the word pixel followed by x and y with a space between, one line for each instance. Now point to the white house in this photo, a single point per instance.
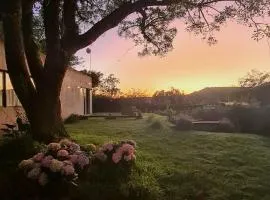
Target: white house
pixel 76 97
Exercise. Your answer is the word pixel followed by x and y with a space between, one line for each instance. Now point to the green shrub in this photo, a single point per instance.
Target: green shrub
pixel 208 114
pixel 139 115
pixel 129 110
pixel 183 124
pixel 150 118
pixel 110 116
pixel 251 120
pixel 156 124
pixel 226 126
pixel 73 118
pixel 12 151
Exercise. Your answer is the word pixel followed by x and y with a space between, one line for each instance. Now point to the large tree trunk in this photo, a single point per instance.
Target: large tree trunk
pixel 45 119
pixel 40 101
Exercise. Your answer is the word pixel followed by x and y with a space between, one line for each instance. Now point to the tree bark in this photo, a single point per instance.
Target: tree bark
pixel 45 119
pixel 41 104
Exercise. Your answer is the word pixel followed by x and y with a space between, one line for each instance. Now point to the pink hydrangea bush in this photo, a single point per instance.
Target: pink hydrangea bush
pixel 115 153
pixel 63 160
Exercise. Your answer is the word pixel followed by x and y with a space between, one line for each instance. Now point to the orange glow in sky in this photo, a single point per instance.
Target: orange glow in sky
pixel 191 66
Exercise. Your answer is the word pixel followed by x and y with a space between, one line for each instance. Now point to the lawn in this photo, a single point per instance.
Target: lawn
pixel 187 165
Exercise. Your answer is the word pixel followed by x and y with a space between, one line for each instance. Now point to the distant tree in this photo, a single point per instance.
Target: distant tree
pixel 172 98
pixel 254 78
pixel 109 86
pixel 40 38
pixel 135 93
pixel 97 77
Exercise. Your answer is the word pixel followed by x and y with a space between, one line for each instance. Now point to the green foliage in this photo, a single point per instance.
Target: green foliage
pixel 109 86
pixel 12 151
pixel 139 115
pixel 150 27
pixel 254 78
pixel 170 99
pixel 17 149
pixel 183 123
pixel 96 77
pixel 209 114
pixel 73 118
pixel 251 120
pixel 131 111
pixel 110 116
pixel 150 118
pixel 156 124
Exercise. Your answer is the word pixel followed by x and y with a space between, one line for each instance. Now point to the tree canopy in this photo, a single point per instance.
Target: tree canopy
pixel 254 78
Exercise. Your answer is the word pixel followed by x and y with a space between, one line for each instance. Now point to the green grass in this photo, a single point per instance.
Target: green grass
pixel 187 165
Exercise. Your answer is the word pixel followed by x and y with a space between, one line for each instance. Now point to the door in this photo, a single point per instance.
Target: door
pixel 86 101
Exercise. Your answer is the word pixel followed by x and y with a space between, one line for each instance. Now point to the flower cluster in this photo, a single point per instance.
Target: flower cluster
pixel 64 159
pixel 123 151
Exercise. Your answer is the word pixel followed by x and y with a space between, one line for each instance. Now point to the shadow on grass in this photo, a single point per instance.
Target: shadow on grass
pixel 184 186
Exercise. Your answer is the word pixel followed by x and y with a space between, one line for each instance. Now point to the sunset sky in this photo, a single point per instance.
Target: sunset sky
pixel 191 66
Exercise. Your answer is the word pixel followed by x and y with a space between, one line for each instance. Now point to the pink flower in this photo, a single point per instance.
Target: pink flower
pixel 26 164
pixel 46 162
pixel 91 147
pixel 127 148
pixel 73 147
pixel 68 162
pixel 101 156
pixel 107 147
pixel 73 159
pixel 132 142
pixel 54 146
pixel 38 157
pixel 116 157
pixel 128 157
pixel 56 165
pixel 83 161
pixel 67 170
pixel 62 153
pixel 34 173
pixel 65 142
pixel 43 179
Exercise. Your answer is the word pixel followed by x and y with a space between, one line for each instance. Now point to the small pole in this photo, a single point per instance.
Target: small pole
pixel 88 50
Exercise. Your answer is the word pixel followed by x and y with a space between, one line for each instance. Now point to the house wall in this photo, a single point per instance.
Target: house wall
pixel 72 98
pixel 9 115
pixel 2 55
pixel 73 92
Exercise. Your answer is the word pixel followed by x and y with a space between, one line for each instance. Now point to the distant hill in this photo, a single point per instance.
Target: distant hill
pixel 216 94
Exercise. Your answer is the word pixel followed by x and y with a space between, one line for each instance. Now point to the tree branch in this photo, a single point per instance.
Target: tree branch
pixel 14 48
pixel 56 57
pixel 70 26
pixel 113 19
pixel 31 49
pixel 51 11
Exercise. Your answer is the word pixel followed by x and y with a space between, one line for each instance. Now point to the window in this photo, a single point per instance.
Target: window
pixel 1 88
pixel 12 99
pixel 7 93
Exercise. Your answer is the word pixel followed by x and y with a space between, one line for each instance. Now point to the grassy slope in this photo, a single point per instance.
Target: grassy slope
pixel 188 165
